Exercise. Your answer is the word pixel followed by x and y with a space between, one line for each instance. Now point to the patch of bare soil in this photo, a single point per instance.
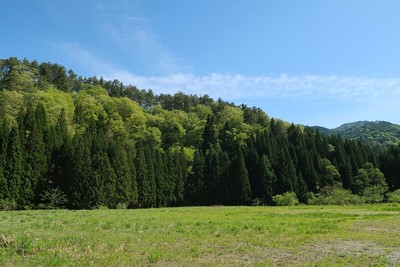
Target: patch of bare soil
pixel 315 252
pixel 357 248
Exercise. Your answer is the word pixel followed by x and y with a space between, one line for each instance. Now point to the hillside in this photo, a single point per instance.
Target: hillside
pixel 376 134
pixel 77 142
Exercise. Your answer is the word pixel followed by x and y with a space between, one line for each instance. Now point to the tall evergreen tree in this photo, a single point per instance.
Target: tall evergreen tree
pixel 253 164
pixel 124 185
pixel 195 181
pixel 84 189
pixel 390 166
pixel 212 175
pixel 161 180
pixel 146 182
pixel 18 187
pixel 241 190
pixel 268 179
pixel 3 153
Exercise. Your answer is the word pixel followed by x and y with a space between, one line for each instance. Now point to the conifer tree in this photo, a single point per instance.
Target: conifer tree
pixel 105 178
pixel 168 189
pixel 13 171
pixel 3 153
pixel 146 182
pixel 268 179
pixel 212 175
pixel 123 175
pixel 195 181
pixel 210 134
pixel 84 188
pixel 241 192
pixel 61 170
pixel 160 176
pixel 285 172
pixel 130 150
pixel 180 171
pixel 254 166
pixel 391 167
pixel 151 177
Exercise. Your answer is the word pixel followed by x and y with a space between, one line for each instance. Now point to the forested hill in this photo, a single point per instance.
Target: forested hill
pixel 84 142
pixel 377 134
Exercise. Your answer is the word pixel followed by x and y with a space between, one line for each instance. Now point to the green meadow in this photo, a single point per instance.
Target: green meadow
pixel 203 236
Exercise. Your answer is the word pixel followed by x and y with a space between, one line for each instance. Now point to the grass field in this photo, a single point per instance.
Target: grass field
pixel 203 236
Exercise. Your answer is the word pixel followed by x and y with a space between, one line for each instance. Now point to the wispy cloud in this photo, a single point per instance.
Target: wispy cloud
pixel 310 99
pixel 137 39
pixel 270 87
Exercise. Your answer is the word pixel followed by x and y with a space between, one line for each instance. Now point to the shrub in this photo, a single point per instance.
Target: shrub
pixel 334 196
pixel 121 206
pixel 315 199
pixel 287 199
pixel 101 207
pixel 340 196
pixel 53 198
pixel 373 194
pixel 8 204
pixel 394 197
pixel 257 202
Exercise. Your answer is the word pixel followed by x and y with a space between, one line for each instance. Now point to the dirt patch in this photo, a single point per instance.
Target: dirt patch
pixel 343 248
pixel 316 252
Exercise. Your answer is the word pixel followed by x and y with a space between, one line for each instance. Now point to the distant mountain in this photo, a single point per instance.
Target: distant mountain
pixel 374 133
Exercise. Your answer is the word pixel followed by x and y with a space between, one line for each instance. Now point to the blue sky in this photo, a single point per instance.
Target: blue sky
pixel 310 62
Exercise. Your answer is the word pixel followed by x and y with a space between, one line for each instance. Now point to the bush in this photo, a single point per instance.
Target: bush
pixel 8 204
pixel 257 202
pixel 340 196
pixel 53 198
pixel 101 207
pixel 394 197
pixel 373 194
pixel 287 199
pixel 315 199
pixel 121 206
pixel 334 196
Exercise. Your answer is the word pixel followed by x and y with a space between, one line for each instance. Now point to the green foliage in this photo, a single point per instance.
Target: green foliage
pixel 369 176
pixel 373 194
pixel 394 197
pixel 335 195
pixel 286 199
pixel 105 143
pixel 376 134
pixel 8 204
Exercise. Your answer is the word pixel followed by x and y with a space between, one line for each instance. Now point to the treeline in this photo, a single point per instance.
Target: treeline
pixel 85 142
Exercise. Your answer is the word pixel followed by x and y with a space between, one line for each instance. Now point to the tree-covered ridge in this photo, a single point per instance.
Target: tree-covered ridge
pixel 91 142
pixel 377 134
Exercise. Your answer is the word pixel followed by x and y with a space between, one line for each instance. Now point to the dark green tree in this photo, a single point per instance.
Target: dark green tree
pixel 195 183
pixel 241 190
pixel 268 179
pixel 13 171
pixel 125 184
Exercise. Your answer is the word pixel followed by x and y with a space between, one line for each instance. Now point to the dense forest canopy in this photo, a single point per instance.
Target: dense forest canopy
pixel 377 134
pixel 85 142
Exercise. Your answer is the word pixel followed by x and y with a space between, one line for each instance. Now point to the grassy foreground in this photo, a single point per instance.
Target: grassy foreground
pixel 203 236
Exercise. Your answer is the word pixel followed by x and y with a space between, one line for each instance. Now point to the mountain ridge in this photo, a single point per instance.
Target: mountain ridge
pixel 378 134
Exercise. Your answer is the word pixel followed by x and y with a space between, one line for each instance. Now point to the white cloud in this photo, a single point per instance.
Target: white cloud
pixel 238 87
pixel 269 87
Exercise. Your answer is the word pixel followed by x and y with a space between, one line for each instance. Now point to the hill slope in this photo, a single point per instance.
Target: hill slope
pixel 374 133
